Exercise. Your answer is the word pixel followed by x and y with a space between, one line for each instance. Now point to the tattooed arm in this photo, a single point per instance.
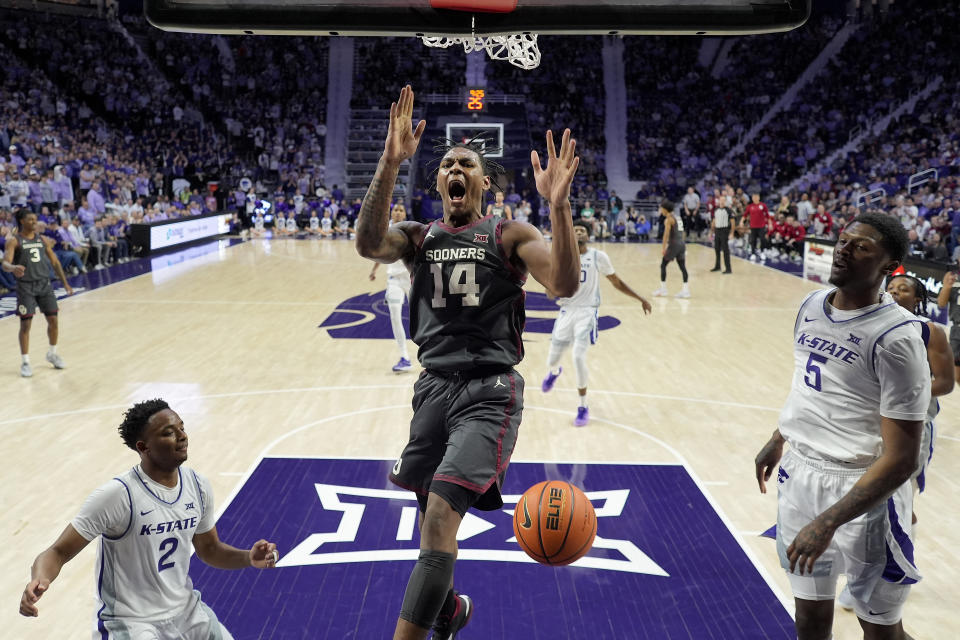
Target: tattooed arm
pixel 376 240
pixel 901 446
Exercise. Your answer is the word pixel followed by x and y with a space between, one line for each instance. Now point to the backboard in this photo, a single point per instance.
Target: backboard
pixel 461 17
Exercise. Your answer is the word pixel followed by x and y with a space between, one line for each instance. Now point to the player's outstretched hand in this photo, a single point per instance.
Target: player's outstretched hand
pixel 809 545
pixel 402 139
pixel 263 555
pixel 553 183
pixel 767 461
pixel 647 308
pixel 32 593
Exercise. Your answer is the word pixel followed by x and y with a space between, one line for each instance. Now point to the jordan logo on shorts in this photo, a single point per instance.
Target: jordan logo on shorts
pixel 498 383
pixel 396 467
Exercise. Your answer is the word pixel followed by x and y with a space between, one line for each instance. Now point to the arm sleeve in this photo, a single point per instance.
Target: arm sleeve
pixel 107 511
pixel 209 518
pixel 901 363
pixel 604 265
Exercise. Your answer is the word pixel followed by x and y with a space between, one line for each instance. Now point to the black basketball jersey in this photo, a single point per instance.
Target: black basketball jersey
pixel 466 299
pixel 32 254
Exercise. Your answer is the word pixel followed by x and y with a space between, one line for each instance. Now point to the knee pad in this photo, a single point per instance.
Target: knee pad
pixel 427 588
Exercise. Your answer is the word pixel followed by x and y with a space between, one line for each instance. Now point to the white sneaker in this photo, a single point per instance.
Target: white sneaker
pixel 845 600
pixel 55 360
pixel 683 294
pixel 662 291
pixel 25 370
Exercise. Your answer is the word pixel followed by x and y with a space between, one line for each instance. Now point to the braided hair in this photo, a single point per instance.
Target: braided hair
pixel 919 291
pixel 477 144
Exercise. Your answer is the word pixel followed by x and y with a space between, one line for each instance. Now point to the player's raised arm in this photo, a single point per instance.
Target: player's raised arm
pixel 557 268
pixel 375 239
pixel 47 567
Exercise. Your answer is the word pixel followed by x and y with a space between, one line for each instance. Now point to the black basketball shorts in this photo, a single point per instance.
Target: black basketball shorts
pixel 955 343
pixel 33 294
pixel 461 438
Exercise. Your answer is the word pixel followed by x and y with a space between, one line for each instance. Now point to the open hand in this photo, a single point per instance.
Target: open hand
pixel 402 139
pixel 809 545
pixel 263 555
pixel 767 461
pixel 32 593
pixel 554 182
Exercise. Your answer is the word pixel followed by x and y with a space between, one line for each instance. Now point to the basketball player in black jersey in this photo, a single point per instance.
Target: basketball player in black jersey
pixel 29 257
pixel 466 316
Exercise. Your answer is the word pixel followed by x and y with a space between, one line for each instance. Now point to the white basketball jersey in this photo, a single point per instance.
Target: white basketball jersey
pixel 326 224
pixel 143 572
pixel 851 368
pixel 593 263
pixel 291 224
pixel 314 223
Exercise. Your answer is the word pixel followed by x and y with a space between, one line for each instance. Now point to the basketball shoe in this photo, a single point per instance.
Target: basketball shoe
pixel 549 380
pixel 446 628
pixel 26 370
pixel 402 365
pixel 583 417
pixel 662 291
pixel 55 360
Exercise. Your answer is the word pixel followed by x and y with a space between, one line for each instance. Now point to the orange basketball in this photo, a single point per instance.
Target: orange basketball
pixel 554 523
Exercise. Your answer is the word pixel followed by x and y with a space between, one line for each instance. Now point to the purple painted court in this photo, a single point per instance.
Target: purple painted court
pixel 664 565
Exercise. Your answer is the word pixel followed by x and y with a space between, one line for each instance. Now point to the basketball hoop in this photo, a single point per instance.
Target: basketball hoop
pixel 519 49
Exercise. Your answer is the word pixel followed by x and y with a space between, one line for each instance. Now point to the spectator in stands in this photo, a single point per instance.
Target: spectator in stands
pixel 936 248
pixel 822 226
pixel 97 203
pixel 804 209
pixel 643 228
pixel 100 241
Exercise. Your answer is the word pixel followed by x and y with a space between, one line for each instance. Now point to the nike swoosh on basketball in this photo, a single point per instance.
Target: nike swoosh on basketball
pixel 143 513
pixel 527 522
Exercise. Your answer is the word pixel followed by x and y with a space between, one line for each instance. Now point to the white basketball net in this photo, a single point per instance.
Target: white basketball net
pixel 519 49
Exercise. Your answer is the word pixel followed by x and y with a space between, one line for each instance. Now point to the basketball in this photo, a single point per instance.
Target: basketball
pixel 554 523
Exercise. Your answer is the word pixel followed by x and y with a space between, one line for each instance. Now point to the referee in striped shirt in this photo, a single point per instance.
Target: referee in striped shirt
pixel 721 231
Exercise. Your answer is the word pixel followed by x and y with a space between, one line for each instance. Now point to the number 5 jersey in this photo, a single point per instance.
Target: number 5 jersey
pixel 850 369
pixel 466 299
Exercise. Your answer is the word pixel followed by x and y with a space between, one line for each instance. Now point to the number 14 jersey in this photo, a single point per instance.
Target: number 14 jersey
pixel 850 369
pixel 466 299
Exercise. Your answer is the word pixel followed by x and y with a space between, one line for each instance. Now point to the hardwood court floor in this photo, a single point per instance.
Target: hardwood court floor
pixel 232 341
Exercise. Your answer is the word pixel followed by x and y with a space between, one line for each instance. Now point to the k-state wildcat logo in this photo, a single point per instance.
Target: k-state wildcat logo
pixel 366 316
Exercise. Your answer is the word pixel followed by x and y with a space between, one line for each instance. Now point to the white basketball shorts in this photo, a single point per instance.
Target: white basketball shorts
pixel 874 550
pixel 196 622
pixel 576 324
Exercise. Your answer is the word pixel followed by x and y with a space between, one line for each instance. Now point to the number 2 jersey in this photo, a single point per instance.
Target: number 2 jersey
pixel 146 538
pixel 466 299
pixel 850 369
